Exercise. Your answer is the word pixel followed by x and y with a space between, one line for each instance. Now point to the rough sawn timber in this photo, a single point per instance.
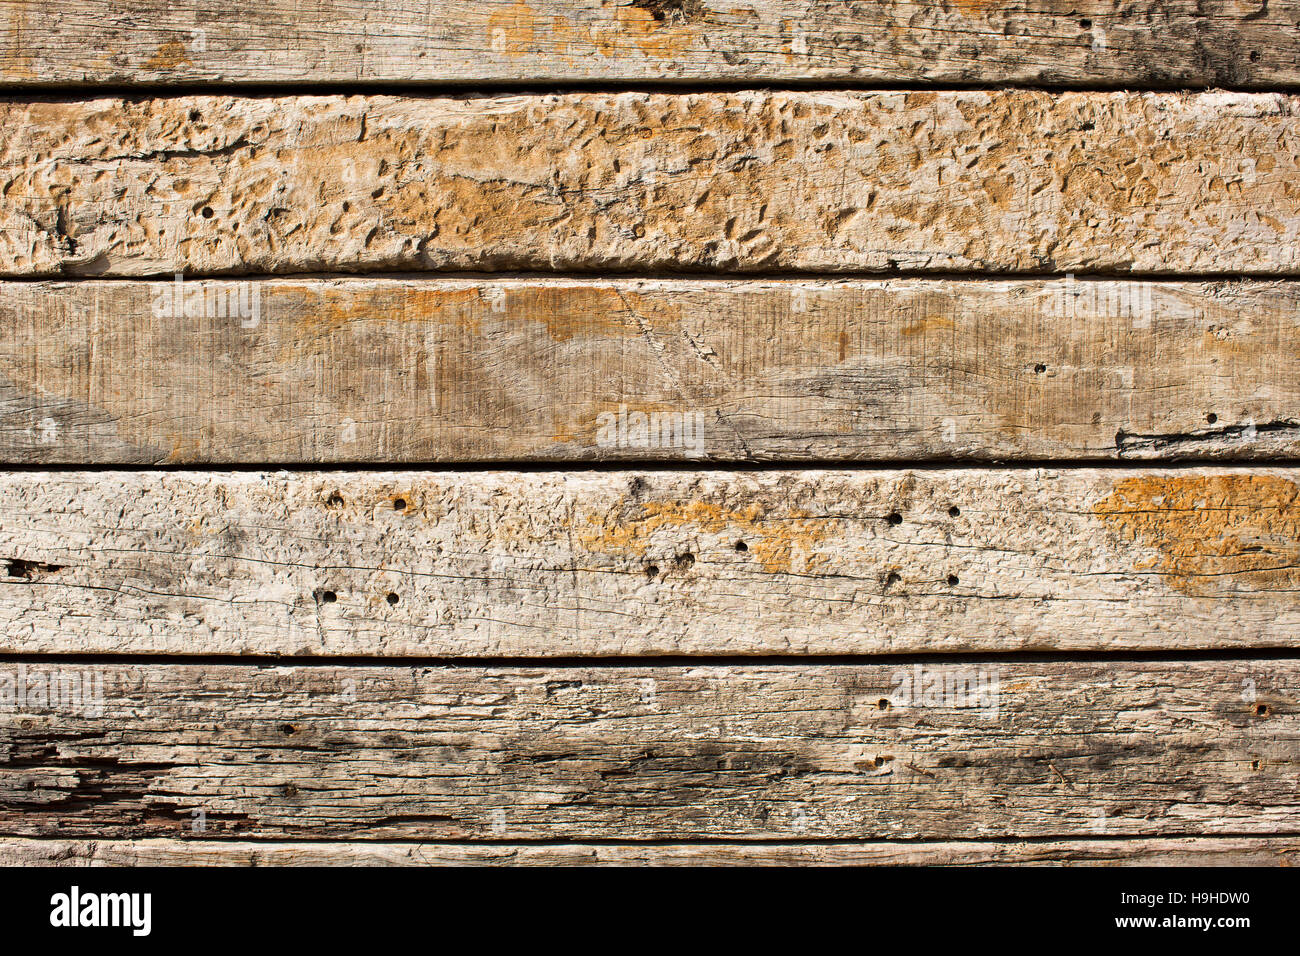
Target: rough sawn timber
pixel 415 371
pixel 509 564
pixel 1003 181
pixel 1250 43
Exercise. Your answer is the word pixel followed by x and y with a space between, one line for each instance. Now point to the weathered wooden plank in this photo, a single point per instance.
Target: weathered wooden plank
pixel 1042 749
pixel 975 180
pixel 1148 851
pixel 416 371
pixel 1247 43
pixel 669 563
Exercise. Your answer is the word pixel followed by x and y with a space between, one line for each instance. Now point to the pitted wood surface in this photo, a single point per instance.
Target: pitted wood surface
pixel 505 564
pixel 1051 749
pixel 417 371
pixel 1009 181
pixel 1138 851
pixel 1217 43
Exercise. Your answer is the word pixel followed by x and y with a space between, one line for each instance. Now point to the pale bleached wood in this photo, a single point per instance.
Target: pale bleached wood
pixel 508 564
pixel 1249 43
pixel 821 181
pixel 1152 851
pixel 416 371
pixel 1062 749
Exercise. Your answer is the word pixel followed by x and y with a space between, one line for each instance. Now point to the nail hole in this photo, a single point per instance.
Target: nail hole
pixel 207 212
pixel 1254 765
pixel 741 546
pixel 287 729
pixel 954 511
pixel 1040 368
pixel 347 207
pixel 1254 56
pixel 195 116
pixel 684 561
pixel 894 518
pixel 325 597
pixel 1086 24
pixel 882 704
pixel 1211 418
pixel 393 598
pixel 399 504
pixel 1262 710
pixel 335 500
pixel 953 580
pixel 880 761
pixel 651 571
pixel 892 578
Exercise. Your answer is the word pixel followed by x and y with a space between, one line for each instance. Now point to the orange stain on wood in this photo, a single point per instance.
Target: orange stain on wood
pixel 773 539
pixel 168 56
pixel 1213 535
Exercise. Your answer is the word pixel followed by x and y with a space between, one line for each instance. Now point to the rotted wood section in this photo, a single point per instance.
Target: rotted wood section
pixel 385 371
pixel 883 751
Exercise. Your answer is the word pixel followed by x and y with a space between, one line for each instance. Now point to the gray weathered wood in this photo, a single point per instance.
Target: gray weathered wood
pixel 1139 851
pixel 673 563
pixel 1050 749
pixel 1009 181
pixel 391 371
pixel 1247 43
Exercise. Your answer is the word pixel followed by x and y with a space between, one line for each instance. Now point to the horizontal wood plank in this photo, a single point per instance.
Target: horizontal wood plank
pixel 1139 851
pixel 417 371
pixel 1008 181
pixel 1248 43
pixel 1052 749
pixel 507 564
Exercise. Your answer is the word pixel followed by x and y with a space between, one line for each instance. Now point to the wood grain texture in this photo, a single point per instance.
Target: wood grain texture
pixel 1216 43
pixel 1138 851
pixel 416 371
pixel 1069 749
pixel 504 564
pixel 1009 181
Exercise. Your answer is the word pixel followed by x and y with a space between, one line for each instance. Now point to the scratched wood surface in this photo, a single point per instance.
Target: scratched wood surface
pixel 503 564
pixel 1024 272
pixel 425 370
pixel 1063 749
pixel 1216 43
pixel 1132 851
pixel 968 181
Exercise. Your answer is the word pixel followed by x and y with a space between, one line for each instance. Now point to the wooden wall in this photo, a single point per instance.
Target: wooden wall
pixel 649 431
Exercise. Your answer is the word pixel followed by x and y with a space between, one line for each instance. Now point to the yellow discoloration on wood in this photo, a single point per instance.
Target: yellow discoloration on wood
pixel 781 542
pixel 1214 534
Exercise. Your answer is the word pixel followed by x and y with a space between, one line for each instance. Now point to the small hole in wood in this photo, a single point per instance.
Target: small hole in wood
pixel 684 561
pixel 894 518
pixel 651 571
pixel 335 500
pixel 742 547
pixel 953 580
pixel 287 729
pixel 1254 56
pixel 1211 418
pixel 1086 24
pixel 326 597
pixel 892 578
pixel 392 598
pixel 882 704
pixel 1262 710
pixel 207 212
pixel 1040 368
pixel 954 511
pixel 1254 765
pixel 399 504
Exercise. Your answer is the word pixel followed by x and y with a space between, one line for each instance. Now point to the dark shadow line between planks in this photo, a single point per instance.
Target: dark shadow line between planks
pixel 624 662
pixel 686 275
pixel 917 842
pixel 576 466
pixel 38 92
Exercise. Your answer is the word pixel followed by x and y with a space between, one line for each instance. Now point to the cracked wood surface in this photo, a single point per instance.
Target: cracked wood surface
pixel 509 565
pixel 415 371
pixel 1137 851
pixel 1005 181
pixel 1218 43
pixel 1055 749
